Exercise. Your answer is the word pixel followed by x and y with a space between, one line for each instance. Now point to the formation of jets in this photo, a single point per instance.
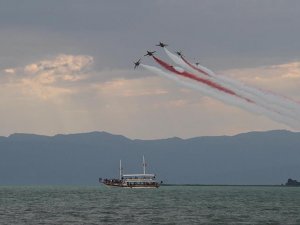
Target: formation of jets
pixel 149 53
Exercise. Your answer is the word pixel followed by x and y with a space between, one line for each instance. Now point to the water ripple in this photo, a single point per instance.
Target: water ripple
pixel 166 205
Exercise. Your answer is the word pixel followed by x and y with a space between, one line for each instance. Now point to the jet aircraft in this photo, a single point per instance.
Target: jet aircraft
pixel 150 53
pixel 179 53
pixel 162 44
pixel 137 63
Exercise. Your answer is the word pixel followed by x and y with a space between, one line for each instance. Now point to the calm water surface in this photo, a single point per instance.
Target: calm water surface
pixel 166 205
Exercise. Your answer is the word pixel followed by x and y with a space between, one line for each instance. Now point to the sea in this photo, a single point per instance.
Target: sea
pixel 206 205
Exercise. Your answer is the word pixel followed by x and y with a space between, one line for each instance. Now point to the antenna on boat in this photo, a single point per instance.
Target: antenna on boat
pixel 121 169
pixel 144 165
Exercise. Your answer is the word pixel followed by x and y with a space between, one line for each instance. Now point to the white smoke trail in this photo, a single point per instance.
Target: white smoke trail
pixel 265 99
pixel 233 100
pixel 199 86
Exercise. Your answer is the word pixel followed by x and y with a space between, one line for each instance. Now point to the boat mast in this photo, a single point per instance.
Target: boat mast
pixel 120 169
pixel 144 165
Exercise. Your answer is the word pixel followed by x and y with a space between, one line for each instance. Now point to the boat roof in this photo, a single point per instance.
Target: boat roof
pixel 139 175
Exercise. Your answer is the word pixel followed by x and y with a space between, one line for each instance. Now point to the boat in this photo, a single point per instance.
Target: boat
pixel 138 180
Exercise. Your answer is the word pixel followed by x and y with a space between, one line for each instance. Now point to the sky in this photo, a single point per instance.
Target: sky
pixel 66 66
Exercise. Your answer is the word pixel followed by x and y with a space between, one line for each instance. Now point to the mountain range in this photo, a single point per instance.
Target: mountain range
pixel 262 158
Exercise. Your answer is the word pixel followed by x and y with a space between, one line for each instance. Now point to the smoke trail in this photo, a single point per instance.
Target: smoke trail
pixel 188 66
pixel 192 76
pixel 199 79
pixel 230 99
pixel 199 86
pixel 199 69
pixel 265 99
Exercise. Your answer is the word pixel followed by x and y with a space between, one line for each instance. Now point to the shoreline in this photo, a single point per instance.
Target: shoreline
pixel 230 185
pixel 162 185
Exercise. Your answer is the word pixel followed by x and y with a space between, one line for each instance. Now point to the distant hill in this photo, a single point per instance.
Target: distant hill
pixel 250 158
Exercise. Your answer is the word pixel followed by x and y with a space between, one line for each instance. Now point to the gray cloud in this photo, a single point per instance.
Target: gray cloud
pixel 222 34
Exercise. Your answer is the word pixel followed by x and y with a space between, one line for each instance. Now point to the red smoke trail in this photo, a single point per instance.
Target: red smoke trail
pixel 199 79
pixel 271 97
pixel 194 67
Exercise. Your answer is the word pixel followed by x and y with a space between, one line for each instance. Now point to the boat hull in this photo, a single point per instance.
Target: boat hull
pixel 132 186
pixel 125 185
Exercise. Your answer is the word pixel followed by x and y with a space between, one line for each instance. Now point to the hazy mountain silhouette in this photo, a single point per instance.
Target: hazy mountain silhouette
pixel 251 158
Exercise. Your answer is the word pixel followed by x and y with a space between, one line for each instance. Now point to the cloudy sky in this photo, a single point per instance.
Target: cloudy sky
pixel 66 65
